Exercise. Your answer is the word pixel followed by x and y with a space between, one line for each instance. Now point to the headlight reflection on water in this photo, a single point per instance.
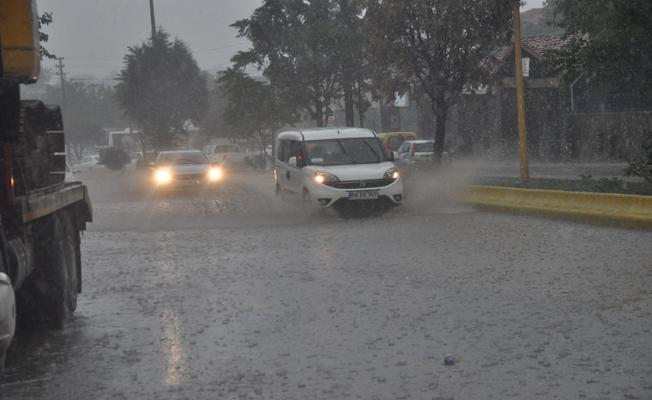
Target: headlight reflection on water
pixel 173 348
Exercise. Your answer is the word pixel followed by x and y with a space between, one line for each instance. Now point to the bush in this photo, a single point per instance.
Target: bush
pixel 642 166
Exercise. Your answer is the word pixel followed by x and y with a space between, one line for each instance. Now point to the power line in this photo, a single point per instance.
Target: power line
pixel 220 47
pixel 94 79
pixel 93 66
pixel 94 58
pixel 226 46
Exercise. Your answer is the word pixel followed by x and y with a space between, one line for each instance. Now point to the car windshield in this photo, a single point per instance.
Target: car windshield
pixel 183 158
pixel 345 151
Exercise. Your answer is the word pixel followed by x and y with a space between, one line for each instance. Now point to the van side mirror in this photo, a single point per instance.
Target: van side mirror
pixel 293 162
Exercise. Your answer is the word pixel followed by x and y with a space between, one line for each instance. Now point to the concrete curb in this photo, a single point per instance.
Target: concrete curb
pixel 602 208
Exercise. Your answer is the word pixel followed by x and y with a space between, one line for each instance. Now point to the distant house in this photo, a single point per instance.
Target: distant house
pixel 568 118
pixel 487 119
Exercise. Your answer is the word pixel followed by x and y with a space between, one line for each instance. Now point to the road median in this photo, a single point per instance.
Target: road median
pixel 612 209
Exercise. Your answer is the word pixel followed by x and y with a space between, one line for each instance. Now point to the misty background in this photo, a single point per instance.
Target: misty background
pixel 93 35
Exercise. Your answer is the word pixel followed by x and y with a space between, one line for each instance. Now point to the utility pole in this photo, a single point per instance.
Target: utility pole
pixel 151 14
pixel 520 94
pixel 62 78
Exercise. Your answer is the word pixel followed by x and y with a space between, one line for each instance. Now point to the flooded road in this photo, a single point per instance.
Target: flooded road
pixel 235 294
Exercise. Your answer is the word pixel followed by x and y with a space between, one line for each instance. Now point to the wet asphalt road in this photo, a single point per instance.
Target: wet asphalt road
pixel 234 294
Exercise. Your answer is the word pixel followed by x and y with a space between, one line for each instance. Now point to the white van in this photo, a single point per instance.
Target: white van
pixel 225 154
pixel 337 168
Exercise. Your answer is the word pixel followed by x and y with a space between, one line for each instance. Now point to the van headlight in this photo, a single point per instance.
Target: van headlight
pixel 324 178
pixel 163 176
pixel 393 174
pixel 215 174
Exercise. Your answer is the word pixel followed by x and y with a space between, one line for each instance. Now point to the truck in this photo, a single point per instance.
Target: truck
pixel 42 215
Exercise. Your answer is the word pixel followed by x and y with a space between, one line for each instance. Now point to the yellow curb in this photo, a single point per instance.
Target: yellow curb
pixel 603 208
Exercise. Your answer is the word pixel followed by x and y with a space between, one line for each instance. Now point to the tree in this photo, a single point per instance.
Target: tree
pixel 539 21
pixel 44 20
pixel 254 109
pixel 351 57
pixel 641 166
pixel 439 46
pixel 162 88
pixel 608 41
pixel 294 45
pixel 315 47
pixel 213 124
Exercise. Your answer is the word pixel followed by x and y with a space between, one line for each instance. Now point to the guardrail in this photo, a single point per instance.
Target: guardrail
pixel 611 209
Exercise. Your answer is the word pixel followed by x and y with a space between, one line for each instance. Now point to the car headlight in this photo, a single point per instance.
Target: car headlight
pixel 393 174
pixel 215 174
pixel 163 176
pixel 324 178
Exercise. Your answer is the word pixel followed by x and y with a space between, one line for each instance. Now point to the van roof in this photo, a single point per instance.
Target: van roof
pixel 382 135
pixel 327 133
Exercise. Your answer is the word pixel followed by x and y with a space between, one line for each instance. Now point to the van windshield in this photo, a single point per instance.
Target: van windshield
pixel 345 151
pixel 181 157
pixel 227 148
pixel 424 147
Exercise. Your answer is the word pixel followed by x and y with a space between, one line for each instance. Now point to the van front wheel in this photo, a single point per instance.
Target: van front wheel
pixel 305 196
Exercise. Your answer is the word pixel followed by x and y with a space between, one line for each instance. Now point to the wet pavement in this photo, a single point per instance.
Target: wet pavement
pixel 235 294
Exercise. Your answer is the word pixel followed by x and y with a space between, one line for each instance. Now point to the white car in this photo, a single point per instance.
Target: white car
pixel 88 163
pixel 337 168
pixel 184 169
pixel 412 151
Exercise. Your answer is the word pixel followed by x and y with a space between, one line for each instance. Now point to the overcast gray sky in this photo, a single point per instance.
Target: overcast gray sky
pixel 93 35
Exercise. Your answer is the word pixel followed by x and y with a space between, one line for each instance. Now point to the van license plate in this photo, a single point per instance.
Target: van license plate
pixel 364 195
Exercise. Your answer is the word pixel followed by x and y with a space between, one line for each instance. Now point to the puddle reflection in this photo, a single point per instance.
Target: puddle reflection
pixel 173 348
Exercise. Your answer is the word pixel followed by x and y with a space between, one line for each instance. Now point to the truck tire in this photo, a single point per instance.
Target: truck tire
pixel 73 259
pixel 59 263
